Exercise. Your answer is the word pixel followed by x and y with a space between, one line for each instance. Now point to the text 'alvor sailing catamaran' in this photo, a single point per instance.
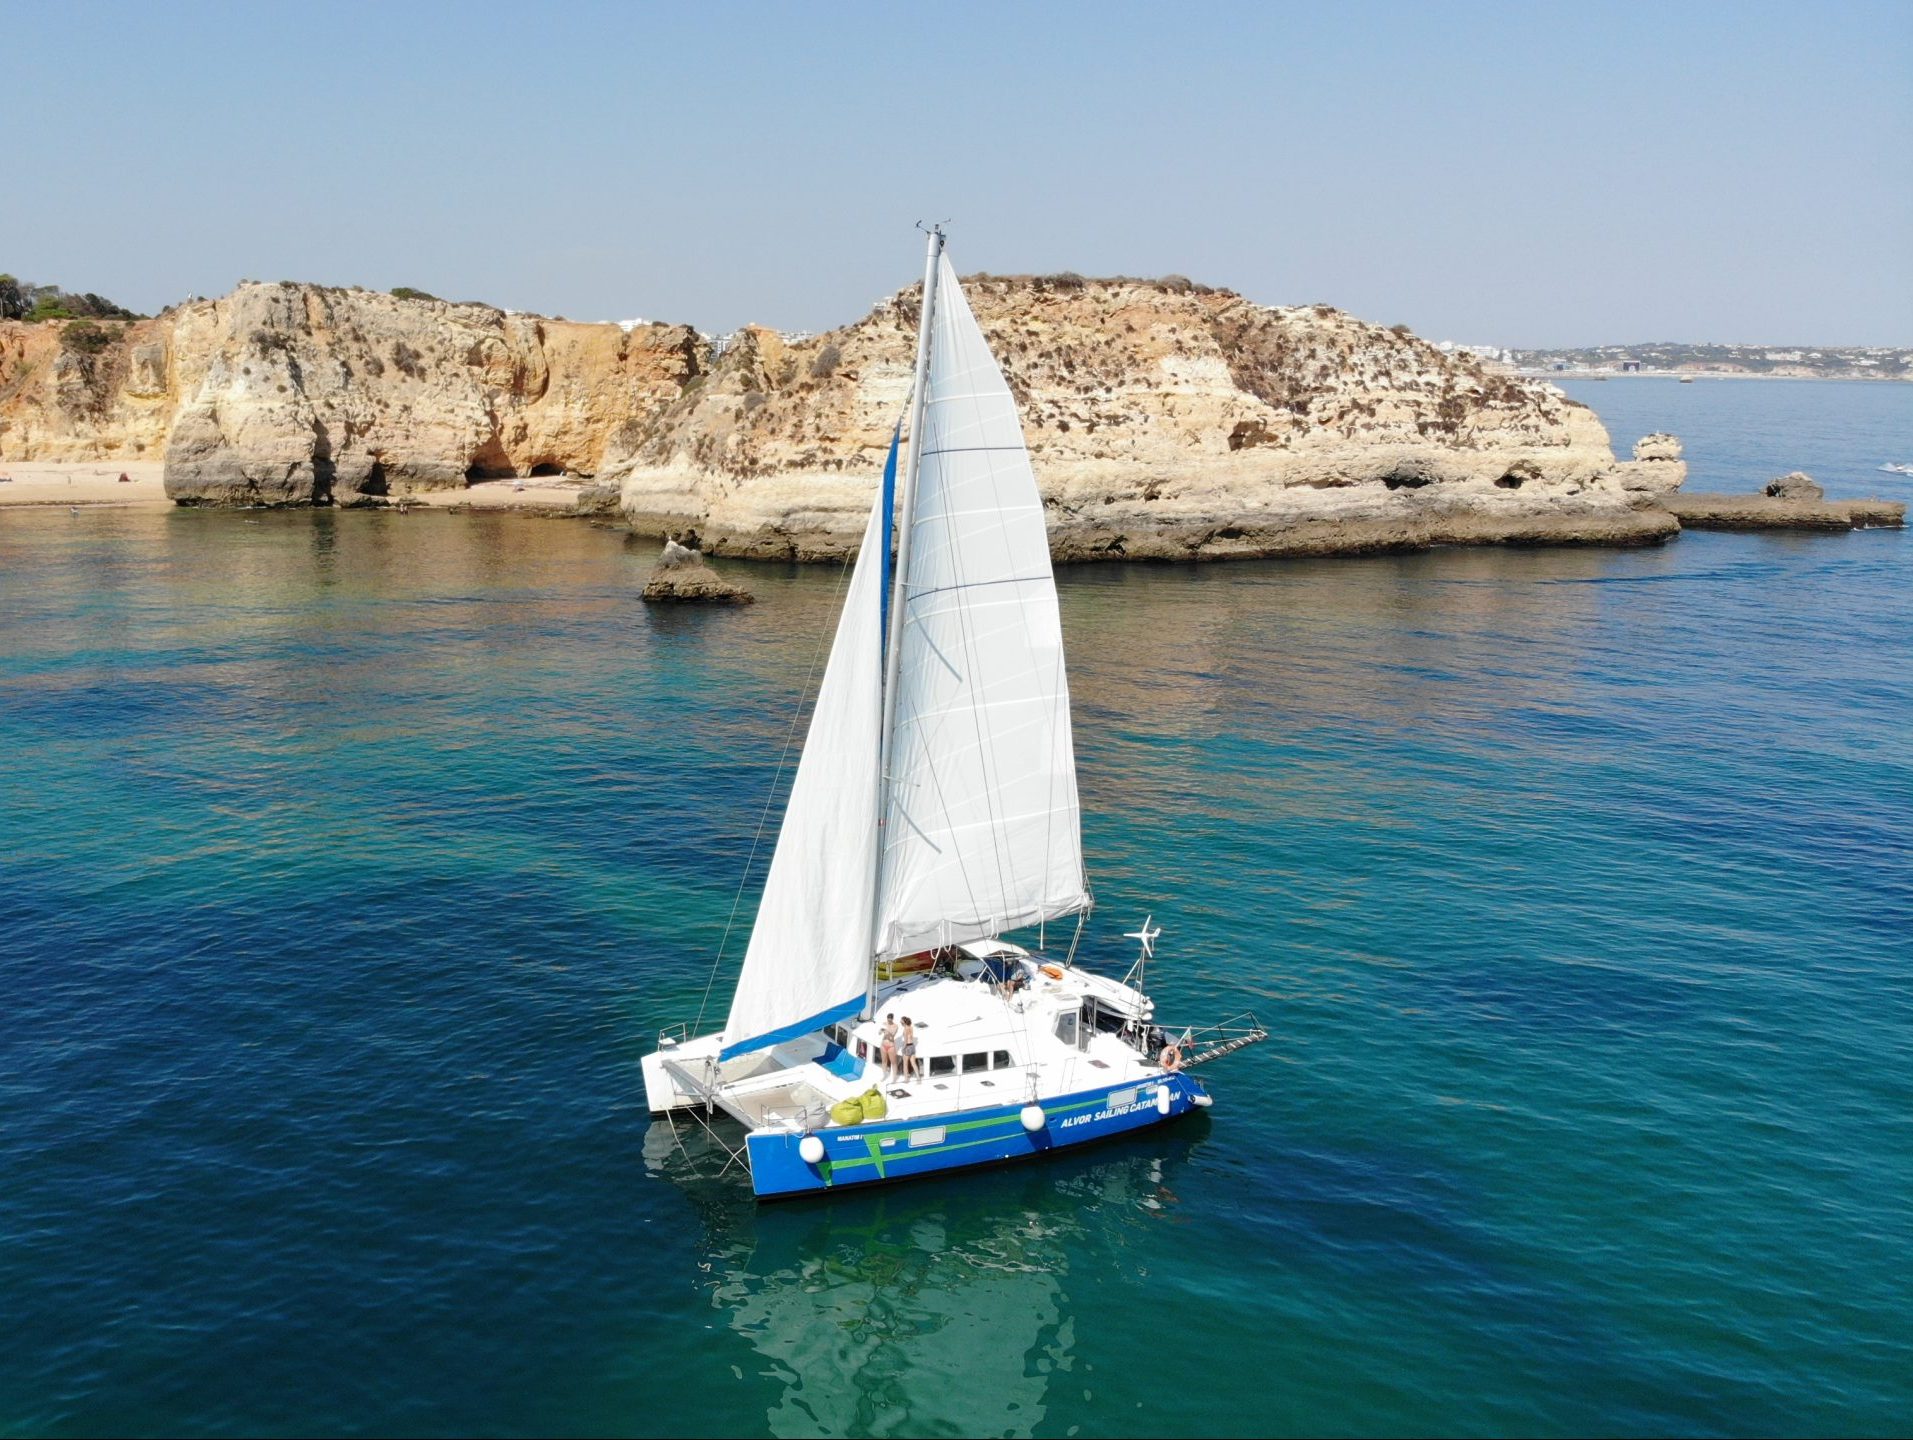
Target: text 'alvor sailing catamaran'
pixel 934 811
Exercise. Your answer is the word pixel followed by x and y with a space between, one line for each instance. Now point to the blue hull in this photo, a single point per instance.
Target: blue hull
pixel 904 1149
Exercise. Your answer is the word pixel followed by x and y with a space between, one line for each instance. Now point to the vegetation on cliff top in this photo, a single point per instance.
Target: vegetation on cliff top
pixel 21 300
pixel 87 338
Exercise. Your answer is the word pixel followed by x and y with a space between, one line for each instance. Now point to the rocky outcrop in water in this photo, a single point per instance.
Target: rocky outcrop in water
pixel 1796 485
pixel 1165 420
pixel 682 574
pixel 1794 501
pixel 1657 468
pixel 1701 511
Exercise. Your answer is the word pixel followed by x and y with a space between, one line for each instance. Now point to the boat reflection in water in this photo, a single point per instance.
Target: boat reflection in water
pixel 924 1308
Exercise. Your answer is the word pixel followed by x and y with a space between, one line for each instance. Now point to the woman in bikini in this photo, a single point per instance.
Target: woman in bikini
pixel 888 1035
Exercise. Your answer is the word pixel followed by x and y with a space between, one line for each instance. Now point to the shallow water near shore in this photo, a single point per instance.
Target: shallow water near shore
pixel 351 861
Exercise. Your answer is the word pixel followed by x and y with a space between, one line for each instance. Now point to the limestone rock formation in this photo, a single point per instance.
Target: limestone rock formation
pixel 294 394
pixel 1796 485
pixel 1783 512
pixel 1657 467
pixel 683 574
pixel 59 401
pixel 311 394
pixel 1164 419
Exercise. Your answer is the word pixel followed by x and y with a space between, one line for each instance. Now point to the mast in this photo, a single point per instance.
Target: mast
pixel 893 642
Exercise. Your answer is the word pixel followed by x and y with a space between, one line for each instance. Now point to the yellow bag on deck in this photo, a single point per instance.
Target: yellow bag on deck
pixel 847 1112
pixel 874 1106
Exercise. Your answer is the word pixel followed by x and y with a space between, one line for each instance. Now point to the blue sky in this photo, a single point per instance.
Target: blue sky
pixel 1509 173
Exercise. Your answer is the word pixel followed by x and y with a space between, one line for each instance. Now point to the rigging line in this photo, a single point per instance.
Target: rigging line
pixel 980 584
pixel 829 629
pixel 974 449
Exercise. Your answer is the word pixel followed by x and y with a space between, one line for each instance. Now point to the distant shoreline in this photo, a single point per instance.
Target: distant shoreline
pixel 1556 375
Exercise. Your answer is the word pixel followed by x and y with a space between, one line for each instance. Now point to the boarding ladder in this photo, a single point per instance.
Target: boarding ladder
pixel 1214 1041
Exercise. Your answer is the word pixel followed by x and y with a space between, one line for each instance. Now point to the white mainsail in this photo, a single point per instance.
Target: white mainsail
pixel 809 953
pixel 982 829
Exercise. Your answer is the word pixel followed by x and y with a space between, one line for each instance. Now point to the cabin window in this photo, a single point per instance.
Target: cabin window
pixel 978 1061
pixel 1066 1028
pixel 1002 1060
pixel 863 1050
pixel 943 1064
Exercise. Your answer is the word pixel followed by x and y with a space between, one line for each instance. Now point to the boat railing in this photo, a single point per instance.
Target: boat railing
pixel 699 1084
pixel 1211 1042
pixel 674 1034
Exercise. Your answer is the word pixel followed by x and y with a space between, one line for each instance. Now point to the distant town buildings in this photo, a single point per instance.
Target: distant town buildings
pixel 1868 362
pixel 1499 354
pixel 720 343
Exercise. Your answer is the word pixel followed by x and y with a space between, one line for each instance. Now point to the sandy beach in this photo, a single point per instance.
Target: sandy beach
pixel 97 482
pixel 81 482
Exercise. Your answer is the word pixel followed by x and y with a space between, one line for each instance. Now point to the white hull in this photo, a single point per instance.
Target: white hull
pixel 996 1028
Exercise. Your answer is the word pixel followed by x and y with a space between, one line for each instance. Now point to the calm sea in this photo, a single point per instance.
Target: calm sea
pixel 349 863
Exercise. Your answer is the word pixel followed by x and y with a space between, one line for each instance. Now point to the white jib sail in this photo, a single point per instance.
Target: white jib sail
pixel 982 830
pixel 809 955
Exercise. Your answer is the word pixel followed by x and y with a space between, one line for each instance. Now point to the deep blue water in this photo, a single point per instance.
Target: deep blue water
pixel 348 864
pixel 1740 434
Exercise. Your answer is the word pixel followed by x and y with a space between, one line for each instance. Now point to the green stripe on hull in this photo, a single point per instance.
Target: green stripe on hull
pixel 875 1142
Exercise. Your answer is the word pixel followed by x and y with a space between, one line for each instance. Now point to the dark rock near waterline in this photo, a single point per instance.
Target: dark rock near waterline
pixel 1781 512
pixel 1797 485
pixel 597 500
pixel 1421 528
pixel 682 575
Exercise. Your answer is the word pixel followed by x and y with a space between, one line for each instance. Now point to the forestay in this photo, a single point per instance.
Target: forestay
pixel 982 830
pixel 809 953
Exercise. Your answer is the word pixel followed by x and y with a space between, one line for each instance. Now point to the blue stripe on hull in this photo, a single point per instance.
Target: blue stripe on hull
pixel 902 1149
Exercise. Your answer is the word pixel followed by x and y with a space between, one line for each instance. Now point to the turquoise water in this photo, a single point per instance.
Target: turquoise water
pixel 351 861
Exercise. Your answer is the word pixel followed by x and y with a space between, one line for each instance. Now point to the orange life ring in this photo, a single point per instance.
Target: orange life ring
pixel 1171 1057
pixel 1055 972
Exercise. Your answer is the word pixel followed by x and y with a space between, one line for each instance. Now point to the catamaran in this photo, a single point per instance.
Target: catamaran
pixel 934 812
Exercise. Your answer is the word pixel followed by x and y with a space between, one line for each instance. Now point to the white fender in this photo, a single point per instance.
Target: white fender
pixel 1203 1098
pixel 1163 1102
pixel 810 1150
pixel 1033 1118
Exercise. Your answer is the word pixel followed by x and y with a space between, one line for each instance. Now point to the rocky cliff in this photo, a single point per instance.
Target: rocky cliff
pixel 299 394
pixel 1164 418
pixel 73 390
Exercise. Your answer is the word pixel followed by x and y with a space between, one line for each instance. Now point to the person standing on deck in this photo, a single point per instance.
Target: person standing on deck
pixel 907 1051
pixel 888 1035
